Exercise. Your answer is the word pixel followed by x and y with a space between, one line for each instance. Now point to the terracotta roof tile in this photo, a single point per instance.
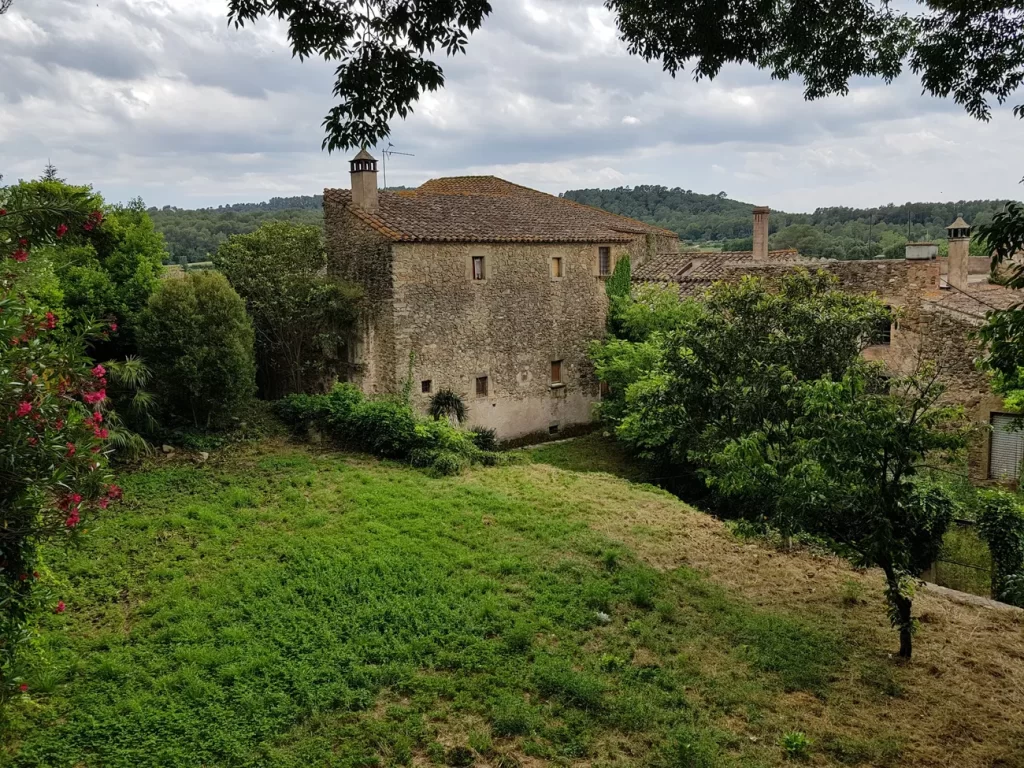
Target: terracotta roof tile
pixel 977 300
pixel 489 209
pixel 696 270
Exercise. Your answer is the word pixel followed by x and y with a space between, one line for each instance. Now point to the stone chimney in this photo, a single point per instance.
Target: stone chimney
pixel 364 181
pixel 922 270
pixel 761 233
pixel 959 253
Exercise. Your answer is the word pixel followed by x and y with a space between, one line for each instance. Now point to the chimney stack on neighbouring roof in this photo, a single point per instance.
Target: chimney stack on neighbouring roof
pixel 761 232
pixel 959 253
pixel 922 270
pixel 364 181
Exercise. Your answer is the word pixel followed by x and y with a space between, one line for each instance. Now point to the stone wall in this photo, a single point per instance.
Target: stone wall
pixel 357 252
pixel 508 327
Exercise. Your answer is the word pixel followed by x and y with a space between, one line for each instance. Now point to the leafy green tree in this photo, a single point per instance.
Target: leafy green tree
pixel 843 466
pixel 970 53
pixel 1003 333
pixel 303 316
pixel 198 340
pixel 104 272
pixel 729 361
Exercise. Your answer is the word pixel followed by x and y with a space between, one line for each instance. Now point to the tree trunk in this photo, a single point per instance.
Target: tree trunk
pixel 906 638
pixel 902 605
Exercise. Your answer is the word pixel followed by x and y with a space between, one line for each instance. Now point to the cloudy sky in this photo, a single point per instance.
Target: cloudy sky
pixel 161 99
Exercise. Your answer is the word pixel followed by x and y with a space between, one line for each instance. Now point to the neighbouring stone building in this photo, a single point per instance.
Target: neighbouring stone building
pixel 937 303
pixel 482 286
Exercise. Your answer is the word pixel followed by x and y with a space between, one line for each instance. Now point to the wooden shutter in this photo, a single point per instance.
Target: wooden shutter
pixel 1006 448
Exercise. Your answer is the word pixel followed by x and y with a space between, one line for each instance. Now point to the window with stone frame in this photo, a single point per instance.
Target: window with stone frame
pixel 557 267
pixel 426 386
pixel 478 268
pixel 481 386
pixel 604 261
pixel 556 372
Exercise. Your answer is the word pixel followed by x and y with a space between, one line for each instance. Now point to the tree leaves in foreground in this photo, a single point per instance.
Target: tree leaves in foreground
pixel 970 52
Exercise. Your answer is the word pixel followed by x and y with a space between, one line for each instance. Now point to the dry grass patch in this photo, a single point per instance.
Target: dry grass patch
pixel 960 702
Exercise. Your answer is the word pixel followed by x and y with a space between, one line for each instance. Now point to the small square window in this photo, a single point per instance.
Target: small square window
pixel 426 386
pixel 556 371
pixel 604 261
pixel 481 386
pixel 478 267
pixel 556 267
pixel 553 429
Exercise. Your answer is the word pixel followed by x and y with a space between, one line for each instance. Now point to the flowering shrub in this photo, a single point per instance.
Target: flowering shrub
pixel 53 473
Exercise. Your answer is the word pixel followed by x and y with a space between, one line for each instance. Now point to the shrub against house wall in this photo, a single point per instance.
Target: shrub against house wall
pixel 386 427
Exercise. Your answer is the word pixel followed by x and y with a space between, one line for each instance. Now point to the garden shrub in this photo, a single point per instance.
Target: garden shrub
pixel 198 341
pixel 484 438
pixel 386 427
pixel 448 463
pixel 1001 525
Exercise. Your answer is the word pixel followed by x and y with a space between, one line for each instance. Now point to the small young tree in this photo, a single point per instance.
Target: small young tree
pixel 302 315
pixel 198 341
pixel 846 470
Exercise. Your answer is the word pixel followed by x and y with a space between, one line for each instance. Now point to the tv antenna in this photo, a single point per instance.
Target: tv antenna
pixel 384 159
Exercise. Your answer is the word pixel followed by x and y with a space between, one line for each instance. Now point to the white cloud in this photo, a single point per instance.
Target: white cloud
pixel 163 99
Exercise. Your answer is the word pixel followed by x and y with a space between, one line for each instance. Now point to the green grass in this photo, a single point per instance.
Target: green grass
pixel 288 609
pixel 962 548
pixel 592 453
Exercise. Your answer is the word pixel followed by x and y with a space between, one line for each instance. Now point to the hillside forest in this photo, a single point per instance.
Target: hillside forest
pixel 715 222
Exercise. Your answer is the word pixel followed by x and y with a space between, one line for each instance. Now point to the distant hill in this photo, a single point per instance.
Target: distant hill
pixel 838 232
pixel 194 235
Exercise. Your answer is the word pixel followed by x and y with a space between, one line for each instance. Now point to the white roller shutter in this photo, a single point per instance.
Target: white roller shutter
pixel 1006 448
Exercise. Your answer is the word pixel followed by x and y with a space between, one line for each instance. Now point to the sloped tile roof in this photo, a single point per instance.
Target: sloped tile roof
pixel 489 209
pixel 696 270
pixel 977 300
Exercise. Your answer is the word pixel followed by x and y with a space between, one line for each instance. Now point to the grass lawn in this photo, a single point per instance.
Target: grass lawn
pixel 279 607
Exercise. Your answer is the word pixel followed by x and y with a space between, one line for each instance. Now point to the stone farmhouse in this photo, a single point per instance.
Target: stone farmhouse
pixel 937 304
pixel 484 287
pixel 495 291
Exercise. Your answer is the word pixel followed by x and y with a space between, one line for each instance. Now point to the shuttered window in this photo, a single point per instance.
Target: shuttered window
pixel 1006 448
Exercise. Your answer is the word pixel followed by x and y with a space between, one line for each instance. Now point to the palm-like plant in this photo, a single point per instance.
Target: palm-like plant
pixel 130 407
pixel 447 404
